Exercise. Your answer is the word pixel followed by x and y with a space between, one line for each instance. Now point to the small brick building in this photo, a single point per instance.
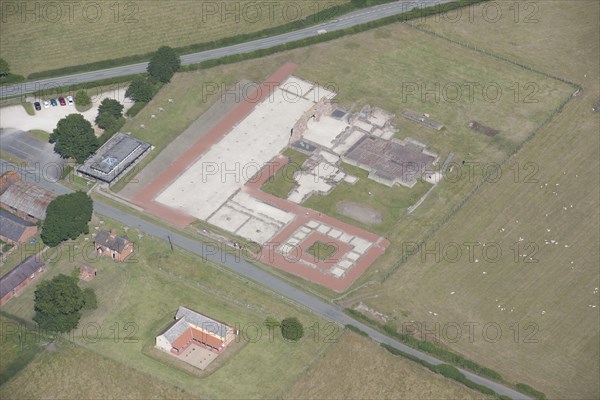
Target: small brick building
pixel 87 272
pixel 16 280
pixel 109 244
pixel 15 230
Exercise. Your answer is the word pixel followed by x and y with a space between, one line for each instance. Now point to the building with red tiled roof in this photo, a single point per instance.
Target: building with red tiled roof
pixel 191 327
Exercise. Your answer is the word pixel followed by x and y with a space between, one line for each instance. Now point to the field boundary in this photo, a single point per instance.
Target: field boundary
pixel 557 110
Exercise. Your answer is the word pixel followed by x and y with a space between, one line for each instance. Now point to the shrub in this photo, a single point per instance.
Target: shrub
pixel 82 99
pixel 292 329
pixel 272 322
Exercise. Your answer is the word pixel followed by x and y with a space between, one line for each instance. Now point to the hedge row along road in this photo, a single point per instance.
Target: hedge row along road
pixel 349 20
pixel 248 270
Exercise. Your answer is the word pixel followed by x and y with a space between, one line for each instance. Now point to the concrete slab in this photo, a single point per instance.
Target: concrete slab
pixel 323 229
pixel 346 238
pixel 360 245
pixel 325 131
pixel 229 219
pixel 230 163
pixel 257 230
pixel 335 233
pixel 295 85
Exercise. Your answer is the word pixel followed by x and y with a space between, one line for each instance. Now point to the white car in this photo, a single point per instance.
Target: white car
pixel 46 104
pixel 70 100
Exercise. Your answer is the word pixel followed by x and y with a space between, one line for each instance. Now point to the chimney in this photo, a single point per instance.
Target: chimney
pixel 113 233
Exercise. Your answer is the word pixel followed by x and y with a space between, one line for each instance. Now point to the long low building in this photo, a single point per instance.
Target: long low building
pixel 15 230
pixel 114 158
pixel 26 200
pixel 16 280
pixel 191 327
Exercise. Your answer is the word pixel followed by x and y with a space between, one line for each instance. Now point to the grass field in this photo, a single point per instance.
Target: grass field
pixel 84 34
pixel 137 300
pixel 73 372
pixel 281 184
pixel 358 368
pixel 18 347
pixel 365 68
pixel 549 328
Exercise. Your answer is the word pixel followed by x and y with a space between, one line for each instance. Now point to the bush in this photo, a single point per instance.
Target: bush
pixel 82 99
pixel 428 347
pixel 528 390
pixel 89 299
pixel 292 329
pixel 272 322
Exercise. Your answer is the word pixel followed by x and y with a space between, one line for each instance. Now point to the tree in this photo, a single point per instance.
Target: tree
pixel 292 329
pixel 89 299
pixel 58 303
pixel 4 67
pixel 111 107
pixel 82 99
pixel 67 217
pixel 163 64
pixel 74 138
pixel 105 121
pixel 140 90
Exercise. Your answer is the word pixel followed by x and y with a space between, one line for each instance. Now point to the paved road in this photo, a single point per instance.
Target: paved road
pixel 244 268
pixel 348 20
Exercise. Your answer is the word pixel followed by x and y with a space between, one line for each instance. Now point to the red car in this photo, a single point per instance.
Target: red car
pixel 62 101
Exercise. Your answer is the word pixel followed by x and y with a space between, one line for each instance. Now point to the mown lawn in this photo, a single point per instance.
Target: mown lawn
pixel 138 298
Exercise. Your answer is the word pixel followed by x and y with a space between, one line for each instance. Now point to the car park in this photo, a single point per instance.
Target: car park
pixel 53 102
pixel 37 106
pixel 62 101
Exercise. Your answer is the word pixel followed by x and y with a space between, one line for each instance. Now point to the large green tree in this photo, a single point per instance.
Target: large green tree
pixel 74 138
pixel 163 64
pixel 140 90
pixel 111 107
pixel 58 303
pixel 109 112
pixel 67 217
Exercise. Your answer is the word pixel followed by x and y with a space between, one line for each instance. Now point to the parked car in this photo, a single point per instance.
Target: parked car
pixel 53 102
pixel 37 106
pixel 62 101
pixel 46 104
pixel 70 100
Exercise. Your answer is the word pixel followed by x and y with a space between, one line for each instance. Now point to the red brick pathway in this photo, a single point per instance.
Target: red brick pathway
pixel 146 197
